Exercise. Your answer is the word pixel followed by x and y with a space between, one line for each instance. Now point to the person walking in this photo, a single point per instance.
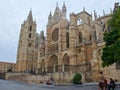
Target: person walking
pixel 101 83
pixel 111 84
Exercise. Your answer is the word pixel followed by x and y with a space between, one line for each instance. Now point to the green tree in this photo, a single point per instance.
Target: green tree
pixel 77 78
pixel 111 51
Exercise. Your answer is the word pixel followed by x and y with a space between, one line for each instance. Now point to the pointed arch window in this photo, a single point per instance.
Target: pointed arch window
pixel 90 37
pixel 30 44
pixel 29 35
pixel 43 66
pixel 53 62
pixel 55 34
pixel 80 37
pixel 66 63
pixel 67 40
pixel 79 21
pixel 30 28
pixel 88 21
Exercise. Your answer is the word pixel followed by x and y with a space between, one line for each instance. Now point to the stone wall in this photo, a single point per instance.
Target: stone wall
pixel 58 77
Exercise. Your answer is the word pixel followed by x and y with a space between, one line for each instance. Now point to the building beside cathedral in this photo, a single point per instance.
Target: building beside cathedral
pixel 68 46
pixel 7 67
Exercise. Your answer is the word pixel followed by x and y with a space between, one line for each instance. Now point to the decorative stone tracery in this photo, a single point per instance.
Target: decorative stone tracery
pixel 55 34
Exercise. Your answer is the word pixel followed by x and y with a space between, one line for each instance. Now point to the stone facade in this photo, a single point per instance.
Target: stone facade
pixel 7 67
pixel 69 46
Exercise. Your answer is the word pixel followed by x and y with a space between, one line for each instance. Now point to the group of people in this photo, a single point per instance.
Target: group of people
pixel 103 84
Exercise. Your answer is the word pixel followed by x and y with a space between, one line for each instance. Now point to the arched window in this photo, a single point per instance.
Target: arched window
pixel 29 35
pixel 53 62
pixel 55 34
pixel 43 66
pixel 66 62
pixel 88 21
pixel 67 40
pixel 90 37
pixel 79 21
pixel 30 44
pixel 80 37
pixel 30 28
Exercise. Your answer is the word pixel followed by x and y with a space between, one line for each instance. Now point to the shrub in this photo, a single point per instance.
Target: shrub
pixel 77 78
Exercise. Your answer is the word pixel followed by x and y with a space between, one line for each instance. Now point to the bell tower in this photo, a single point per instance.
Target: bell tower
pixel 26 44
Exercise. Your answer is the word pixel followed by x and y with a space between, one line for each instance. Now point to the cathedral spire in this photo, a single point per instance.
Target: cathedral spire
pixel 49 18
pixel 57 10
pixel 50 15
pixel 103 12
pixel 64 6
pixel 64 11
pixel 95 14
pixel 57 14
pixel 30 18
pixel 42 35
pixel 57 7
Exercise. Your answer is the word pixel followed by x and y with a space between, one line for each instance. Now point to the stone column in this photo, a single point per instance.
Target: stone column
pixel 63 68
pixel 46 69
pixel 54 68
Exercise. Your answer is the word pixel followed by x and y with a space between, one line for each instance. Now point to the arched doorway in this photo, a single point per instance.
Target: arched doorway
pixel 43 67
pixel 66 62
pixel 52 66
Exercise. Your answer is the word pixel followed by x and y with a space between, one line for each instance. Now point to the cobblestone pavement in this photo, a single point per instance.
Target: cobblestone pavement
pixel 14 85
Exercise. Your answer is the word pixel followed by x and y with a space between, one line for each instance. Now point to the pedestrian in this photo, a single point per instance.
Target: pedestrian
pixel 105 84
pixel 116 80
pixel 101 82
pixel 111 84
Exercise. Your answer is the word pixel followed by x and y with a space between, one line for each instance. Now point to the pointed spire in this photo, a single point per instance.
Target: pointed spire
pixel 57 5
pixel 42 37
pixel 95 15
pixel 83 8
pixel 64 3
pixel 30 18
pixel 64 11
pixel 57 8
pixel 64 6
pixel 103 12
pixel 50 16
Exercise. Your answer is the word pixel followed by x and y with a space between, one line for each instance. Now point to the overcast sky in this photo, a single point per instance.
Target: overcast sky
pixel 14 12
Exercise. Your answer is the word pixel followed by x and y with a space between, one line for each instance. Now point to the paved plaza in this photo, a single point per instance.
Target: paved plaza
pixel 14 85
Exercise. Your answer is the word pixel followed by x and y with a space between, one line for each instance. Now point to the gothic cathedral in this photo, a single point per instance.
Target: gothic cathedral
pixel 69 46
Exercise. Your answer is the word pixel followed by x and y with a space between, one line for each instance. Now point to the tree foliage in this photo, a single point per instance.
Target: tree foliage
pixel 111 51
